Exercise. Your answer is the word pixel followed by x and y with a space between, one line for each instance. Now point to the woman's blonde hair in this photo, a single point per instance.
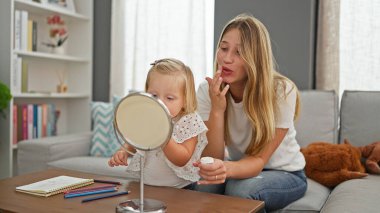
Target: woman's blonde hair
pixel 176 68
pixel 264 83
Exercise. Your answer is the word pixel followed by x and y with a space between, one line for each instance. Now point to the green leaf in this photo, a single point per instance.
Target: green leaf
pixel 5 97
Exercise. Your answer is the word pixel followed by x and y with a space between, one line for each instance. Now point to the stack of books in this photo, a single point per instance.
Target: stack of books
pixel 34 121
pixel 25 32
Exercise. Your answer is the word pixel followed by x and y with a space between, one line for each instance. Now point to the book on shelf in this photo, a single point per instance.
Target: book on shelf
pixel 39 121
pixel 16 74
pixel 24 122
pixel 30 35
pixel 18 125
pixel 30 120
pixel 24 76
pixel 34 36
pixel 17 30
pixel 55 185
pixel 44 119
pixel 24 30
pixel 35 121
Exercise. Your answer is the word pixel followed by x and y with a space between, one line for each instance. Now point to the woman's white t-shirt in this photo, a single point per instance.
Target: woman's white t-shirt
pixel 287 156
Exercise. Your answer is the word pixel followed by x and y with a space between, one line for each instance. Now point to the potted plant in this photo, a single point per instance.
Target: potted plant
pixel 5 97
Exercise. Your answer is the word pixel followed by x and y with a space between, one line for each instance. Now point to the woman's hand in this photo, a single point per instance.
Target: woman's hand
pixel 217 96
pixel 119 158
pixel 213 173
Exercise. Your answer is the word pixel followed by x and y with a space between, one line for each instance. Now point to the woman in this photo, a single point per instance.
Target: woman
pixel 249 109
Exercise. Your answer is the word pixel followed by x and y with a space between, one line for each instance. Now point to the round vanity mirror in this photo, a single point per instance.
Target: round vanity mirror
pixel 144 122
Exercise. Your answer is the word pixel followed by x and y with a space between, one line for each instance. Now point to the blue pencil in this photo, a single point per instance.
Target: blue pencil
pixel 90 193
pixel 105 196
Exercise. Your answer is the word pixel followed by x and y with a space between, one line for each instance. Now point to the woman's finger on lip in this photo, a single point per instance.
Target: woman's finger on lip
pixel 217 73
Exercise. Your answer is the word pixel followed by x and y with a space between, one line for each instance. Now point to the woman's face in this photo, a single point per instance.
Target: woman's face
pixel 169 89
pixel 229 60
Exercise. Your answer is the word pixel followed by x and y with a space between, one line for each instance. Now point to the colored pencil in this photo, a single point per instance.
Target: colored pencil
pixel 107 181
pixel 89 193
pixel 105 196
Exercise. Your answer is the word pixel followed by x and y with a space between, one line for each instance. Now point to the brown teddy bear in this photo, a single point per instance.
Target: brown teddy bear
pixel 331 164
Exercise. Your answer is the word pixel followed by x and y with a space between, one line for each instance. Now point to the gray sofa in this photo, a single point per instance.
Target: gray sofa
pixel 359 122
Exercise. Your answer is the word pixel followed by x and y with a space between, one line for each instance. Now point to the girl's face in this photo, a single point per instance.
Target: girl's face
pixel 169 89
pixel 229 60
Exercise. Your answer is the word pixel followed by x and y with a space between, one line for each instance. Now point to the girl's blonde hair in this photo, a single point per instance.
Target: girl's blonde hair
pixel 264 83
pixel 176 68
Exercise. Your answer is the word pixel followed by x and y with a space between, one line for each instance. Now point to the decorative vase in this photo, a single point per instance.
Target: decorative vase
pixel 61 50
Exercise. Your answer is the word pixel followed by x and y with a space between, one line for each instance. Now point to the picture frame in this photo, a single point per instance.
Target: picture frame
pixel 63 4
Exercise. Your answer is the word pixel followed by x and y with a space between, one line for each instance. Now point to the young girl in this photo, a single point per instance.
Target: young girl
pixel 171 81
pixel 249 108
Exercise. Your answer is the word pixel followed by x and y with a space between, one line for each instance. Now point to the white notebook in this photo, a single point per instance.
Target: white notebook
pixel 54 185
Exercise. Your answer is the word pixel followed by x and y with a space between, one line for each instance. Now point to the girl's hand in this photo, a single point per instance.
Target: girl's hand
pixel 119 158
pixel 214 173
pixel 218 97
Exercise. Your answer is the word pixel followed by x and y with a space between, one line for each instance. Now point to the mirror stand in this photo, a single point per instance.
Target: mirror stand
pixel 141 205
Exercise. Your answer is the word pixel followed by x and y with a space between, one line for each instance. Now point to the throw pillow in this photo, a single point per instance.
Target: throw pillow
pixel 104 142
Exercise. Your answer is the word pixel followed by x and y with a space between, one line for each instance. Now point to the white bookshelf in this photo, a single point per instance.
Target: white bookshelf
pixel 43 69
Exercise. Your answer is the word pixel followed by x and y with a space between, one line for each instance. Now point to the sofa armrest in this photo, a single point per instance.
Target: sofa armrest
pixel 33 155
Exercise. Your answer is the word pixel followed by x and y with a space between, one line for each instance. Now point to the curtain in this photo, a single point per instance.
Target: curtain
pixel 348 53
pixel 146 30
pixel 327 65
pixel 360 45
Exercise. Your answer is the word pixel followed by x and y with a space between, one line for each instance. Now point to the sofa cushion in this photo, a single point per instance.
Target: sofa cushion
pixel 313 200
pixel 318 119
pixel 94 165
pixel 103 142
pixel 360 117
pixel 357 195
pixel 34 154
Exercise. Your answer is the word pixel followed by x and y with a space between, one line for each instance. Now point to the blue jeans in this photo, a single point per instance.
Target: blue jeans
pixel 276 188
